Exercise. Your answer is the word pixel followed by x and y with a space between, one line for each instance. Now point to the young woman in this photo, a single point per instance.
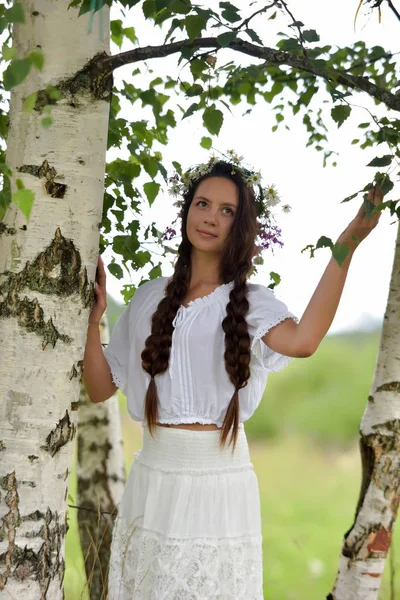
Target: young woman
pixel 192 353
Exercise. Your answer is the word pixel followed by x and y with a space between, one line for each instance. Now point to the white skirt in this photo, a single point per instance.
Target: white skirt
pixel 189 522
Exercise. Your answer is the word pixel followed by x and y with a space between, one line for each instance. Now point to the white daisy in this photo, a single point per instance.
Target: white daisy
pixel 175 189
pixel 286 208
pixel 271 195
pixel 186 178
pixel 255 179
pixel 203 169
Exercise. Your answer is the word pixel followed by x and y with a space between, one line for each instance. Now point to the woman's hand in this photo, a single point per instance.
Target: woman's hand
pixel 100 304
pixel 362 225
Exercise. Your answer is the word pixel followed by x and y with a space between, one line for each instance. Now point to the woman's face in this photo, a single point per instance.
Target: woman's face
pixel 213 209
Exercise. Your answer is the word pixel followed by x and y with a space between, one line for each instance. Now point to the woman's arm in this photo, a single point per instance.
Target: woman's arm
pixel 96 375
pixel 303 339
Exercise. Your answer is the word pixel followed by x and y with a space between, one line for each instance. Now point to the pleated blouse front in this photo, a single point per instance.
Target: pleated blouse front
pixel 196 387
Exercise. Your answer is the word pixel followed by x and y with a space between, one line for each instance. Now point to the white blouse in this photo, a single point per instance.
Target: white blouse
pixel 196 387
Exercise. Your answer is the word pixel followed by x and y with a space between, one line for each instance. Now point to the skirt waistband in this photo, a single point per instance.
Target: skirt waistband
pixel 190 450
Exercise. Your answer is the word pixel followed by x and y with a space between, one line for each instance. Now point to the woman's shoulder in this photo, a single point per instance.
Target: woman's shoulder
pixel 258 290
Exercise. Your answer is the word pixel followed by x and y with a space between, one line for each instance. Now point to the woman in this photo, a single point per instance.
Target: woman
pixel 192 353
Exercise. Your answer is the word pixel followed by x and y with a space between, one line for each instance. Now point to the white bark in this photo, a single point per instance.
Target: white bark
pixel 366 545
pixel 101 479
pixel 47 267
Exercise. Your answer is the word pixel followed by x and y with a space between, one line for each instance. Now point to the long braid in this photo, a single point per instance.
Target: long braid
pixel 156 354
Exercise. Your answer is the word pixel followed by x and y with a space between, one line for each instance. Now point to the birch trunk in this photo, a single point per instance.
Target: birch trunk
pixel 101 479
pixel 47 267
pixel 366 544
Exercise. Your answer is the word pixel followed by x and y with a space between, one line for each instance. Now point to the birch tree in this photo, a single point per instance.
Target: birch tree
pixel 101 478
pixel 59 196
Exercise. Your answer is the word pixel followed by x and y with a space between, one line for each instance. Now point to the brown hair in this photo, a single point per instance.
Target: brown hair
pixel 236 262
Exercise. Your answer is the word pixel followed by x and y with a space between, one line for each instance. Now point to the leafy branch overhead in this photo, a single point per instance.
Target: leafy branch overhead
pixel 297 75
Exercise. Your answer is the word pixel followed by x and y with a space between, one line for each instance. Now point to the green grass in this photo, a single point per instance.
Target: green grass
pixel 304 446
pixel 323 396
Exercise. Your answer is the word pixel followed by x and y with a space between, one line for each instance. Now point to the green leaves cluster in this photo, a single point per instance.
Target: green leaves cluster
pixel 207 83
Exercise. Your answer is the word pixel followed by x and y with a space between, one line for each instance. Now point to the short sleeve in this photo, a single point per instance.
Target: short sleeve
pixel 266 311
pixel 117 351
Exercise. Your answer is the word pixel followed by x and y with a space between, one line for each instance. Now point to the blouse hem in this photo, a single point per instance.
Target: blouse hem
pixel 188 421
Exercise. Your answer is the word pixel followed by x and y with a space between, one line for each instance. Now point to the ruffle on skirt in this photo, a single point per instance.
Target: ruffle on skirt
pixel 189 523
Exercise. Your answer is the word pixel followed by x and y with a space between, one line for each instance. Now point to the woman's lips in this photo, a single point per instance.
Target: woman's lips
pixel 206 235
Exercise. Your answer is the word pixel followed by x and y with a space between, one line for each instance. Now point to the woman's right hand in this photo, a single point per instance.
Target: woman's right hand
pixel 100 304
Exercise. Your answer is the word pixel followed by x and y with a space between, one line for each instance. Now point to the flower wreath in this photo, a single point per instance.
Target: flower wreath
pixel 265 197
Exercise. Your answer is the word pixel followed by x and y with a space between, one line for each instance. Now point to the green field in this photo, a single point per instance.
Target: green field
pixel 304 446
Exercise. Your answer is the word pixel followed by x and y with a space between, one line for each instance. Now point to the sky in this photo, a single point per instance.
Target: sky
pixel 314 193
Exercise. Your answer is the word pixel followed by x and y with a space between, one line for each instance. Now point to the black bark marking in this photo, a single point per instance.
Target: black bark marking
pixel 393 386
pixel 7 230
pixel 63 433
pixel 8 524
pixel 374 449
pixel 48 174
pixel 36 276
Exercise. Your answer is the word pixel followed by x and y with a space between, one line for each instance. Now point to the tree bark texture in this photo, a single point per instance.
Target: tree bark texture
pixel 366 544
pixel 47 269
pixel 101 479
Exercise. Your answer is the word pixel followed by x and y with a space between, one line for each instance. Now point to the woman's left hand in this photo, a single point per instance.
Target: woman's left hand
pixel 362 225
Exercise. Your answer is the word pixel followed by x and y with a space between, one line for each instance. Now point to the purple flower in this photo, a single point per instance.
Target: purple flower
pixel 169 234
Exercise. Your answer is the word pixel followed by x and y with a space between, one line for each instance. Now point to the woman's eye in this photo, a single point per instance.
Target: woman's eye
pixel 225 208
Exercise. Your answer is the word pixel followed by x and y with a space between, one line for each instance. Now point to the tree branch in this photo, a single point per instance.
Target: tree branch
pixel 394 9
pixel 271 56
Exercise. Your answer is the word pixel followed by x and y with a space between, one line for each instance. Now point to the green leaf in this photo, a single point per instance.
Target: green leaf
pixel 192 109
pixel 310 35
pixel 226 38
pixel 16 72
pixel 24 198
pixel 381 161
pixel 181 6
pixel 227 6
pixel 160 4
pixel 324 242
pixel 177 166
pixel 155 272
pixel 254 36
pixel 37 59
pixel 340 252
pixel 384 182
pixel 194 90
pixel 197 67
pixel 9 53
pixel 116 270
pixel 206 143
pixel 149 8
pixel 150 166
pixel 340 113
pixel 126 245
pixel 194 26
pixel 230 14
pixel 130 34
pixel 213 119
pixel 140 259
pixel 151 190
pixel 289 44
pixel 46 122
pixel 15 14
pixel 29 102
